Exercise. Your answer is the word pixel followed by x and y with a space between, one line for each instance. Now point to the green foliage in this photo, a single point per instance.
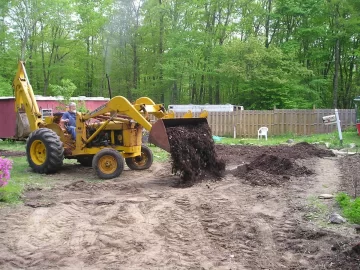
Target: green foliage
pixel 66 89
pixel 267 77
pixel 350 207
pixel 5 87
pixel 174 51
pixel 10 193
pixel 80 107
pixel 20 179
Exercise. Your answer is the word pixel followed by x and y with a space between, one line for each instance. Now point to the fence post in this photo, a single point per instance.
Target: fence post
pixel 233 124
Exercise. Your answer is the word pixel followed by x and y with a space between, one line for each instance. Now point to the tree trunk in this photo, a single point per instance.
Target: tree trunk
pixel 210 98
pixel 217 91
pixel 105 67
pixel 193 91
pixel 336 73
pixel 267 24
pixel 87 69
pixel 135 65
pixel 161 50
pixel 92 70
pixel 202 87
pixel 349 82
pixel 174 94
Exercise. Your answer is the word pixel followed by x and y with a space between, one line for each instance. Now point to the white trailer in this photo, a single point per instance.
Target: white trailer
pixel 199 108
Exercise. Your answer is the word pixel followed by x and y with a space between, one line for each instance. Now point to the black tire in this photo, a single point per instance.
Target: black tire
pixel 142 162
pixel 44 151
pixel 108 163
pixel 85 161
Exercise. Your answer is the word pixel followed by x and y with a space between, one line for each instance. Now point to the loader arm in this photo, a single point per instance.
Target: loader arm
pixel 25 99
pixel 121 105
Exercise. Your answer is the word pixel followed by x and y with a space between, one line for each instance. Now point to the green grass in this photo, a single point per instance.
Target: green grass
pixel 349 136
pixel 21 177
pixel 318 210
pixel 350 207
pixel 159 154
pixel 12 145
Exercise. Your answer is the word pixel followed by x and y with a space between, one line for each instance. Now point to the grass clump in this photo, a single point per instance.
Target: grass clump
pixel 21 178
pixel 350 207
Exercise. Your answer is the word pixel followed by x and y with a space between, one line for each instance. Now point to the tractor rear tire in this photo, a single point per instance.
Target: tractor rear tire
pixel 142 162
pixel 108 163
pixel 85 161
pixel 44 151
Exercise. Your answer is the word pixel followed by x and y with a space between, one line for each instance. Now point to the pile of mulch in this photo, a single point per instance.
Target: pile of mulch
pixel 7 153
pixel 193 155
pixel 270 170
pixel 278 165
pixel 247 153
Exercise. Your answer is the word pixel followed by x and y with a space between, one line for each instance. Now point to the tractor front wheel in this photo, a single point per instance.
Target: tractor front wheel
pixel 44 151
pixel 142 162
pixel 108 163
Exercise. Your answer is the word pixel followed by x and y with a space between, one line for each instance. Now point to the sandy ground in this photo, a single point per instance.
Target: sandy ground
pixel 143 221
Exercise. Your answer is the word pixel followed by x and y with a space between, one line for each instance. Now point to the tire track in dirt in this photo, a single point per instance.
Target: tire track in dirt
pixel 141 222
pixel 242 233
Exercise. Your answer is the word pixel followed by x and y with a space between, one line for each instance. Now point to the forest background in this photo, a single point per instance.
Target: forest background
pixel 255 53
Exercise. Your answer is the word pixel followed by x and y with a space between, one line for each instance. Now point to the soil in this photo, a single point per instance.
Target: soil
pixel 271 169
pixel 351 175
pixel 193 153
pixel 6 153
pixel 142 220
pixel 270 165
pixel 238 153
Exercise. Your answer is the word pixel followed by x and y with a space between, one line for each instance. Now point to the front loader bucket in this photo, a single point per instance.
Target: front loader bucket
pixel 158 134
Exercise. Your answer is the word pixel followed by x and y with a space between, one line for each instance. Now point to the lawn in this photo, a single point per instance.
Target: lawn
pixel 350 136
pixel 21 177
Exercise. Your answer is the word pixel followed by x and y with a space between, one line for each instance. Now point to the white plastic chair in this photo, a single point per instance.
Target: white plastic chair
pixel 263 132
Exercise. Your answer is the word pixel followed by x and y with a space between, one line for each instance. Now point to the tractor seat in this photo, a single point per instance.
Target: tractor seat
pixel 59 114
pixel 57 117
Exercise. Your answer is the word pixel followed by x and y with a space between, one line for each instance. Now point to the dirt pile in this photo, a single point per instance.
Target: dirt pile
pixel 270 170
pixel 193 153
pixel 278 165
pixel 305 150
pixel 6 153
pixel 248 153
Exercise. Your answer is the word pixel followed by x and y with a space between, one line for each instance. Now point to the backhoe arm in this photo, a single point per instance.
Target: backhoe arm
pixel 24 98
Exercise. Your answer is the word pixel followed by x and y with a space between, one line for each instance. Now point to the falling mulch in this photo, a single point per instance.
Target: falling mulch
pixel 193 155
pixel 7 153
pixel 270 170
pixel 247 153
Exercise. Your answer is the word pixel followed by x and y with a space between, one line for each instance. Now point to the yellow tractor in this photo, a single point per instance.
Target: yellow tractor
pixel 104 137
